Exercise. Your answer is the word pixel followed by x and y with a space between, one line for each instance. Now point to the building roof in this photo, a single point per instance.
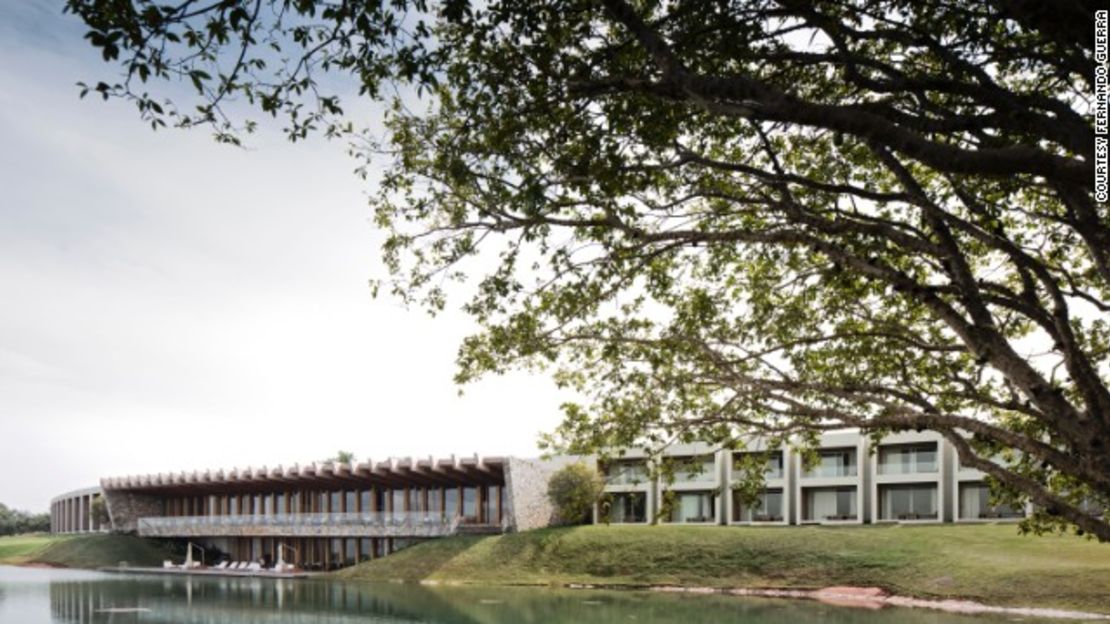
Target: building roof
pixel 393 472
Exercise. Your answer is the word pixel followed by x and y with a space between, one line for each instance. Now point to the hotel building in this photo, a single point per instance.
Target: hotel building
pixel 323 515
pixel 327 515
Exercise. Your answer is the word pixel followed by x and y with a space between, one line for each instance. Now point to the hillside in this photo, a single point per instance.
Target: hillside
pixel 81 551
pixel 988 563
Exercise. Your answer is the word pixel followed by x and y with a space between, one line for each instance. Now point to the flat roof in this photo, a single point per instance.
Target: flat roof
pixel 390 473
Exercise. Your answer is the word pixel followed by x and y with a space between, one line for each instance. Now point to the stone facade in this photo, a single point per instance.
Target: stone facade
pixel 125 509
pixel 526 480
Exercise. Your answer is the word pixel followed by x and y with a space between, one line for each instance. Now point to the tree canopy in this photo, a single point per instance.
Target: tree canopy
pixel 716 219
pixel 15 522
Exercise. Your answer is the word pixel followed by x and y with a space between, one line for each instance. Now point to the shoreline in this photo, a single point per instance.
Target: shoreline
pixel 872 598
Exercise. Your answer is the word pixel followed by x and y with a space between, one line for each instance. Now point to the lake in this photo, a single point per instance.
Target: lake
pixel 39 596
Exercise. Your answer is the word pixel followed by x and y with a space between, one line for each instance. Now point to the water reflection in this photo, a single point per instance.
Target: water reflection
pixel 42 596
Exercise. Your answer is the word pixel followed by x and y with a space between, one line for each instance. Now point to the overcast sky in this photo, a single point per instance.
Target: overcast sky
pixel 167 303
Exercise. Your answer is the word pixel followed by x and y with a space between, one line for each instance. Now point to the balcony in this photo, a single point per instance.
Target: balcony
pixel 834 463
pixel 410 524
pixel 773 467
pixel 626 474
pixel 908 459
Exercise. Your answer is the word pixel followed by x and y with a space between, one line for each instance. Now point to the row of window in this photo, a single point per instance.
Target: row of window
pixel 831 462
pixel 819 504
pixel 474 504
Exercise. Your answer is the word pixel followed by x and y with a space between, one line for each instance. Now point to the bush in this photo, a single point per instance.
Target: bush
pixel 13 522
pixel 574 490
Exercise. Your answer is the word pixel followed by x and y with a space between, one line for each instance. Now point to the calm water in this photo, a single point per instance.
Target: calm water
pixel 34 596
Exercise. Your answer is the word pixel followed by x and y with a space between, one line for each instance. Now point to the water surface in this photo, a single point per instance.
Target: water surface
pixel 39 596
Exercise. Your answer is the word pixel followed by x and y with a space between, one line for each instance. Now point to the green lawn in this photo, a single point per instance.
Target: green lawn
pixel 988 563
pixel 81 551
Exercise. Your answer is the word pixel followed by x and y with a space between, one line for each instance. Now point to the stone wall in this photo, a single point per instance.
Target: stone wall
pixel 125 509
pixel 526 484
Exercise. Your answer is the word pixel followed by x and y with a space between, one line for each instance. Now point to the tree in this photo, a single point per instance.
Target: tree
pixel 342 457
pixel 15 522
pixel 574 490
pixel 98 510
pixel 719 219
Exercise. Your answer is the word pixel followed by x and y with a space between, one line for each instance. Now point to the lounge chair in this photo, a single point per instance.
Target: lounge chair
pixel 222 565
pixel 168 564
pixel 254 566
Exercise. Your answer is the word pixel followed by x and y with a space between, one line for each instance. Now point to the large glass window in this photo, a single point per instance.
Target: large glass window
pixel 352 501
pixel 435 501
pixel 839 462
pixel 908 458
pixel 364 500
pixel 398 503
pixel 766 508
pixel 626 472
pixel 335 500
pixel 351 556
pixel 415 505
pixel 470 504
pixel 908 502
pixel 336 553
pixel 693 507
pixel 627 507
pixel 975 504
pixel 493 505
pixel 829 504
pixel 451 502
pixel 364 549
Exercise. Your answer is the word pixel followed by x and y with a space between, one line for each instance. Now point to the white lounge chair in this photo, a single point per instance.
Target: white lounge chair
pixel 254 566
pixel 222 565
pixel 238 565
pixel 168 564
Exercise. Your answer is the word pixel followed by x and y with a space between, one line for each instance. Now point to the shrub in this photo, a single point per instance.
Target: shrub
pixel 574 490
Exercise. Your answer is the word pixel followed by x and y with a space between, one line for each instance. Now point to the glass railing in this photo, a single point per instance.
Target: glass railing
pixel 895 467
pixel 773 471
pixel 847 470
pixel 695 476
pixel 427 523
pixel 626 475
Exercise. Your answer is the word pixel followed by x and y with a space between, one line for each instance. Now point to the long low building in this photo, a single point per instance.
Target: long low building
pixel 327 515
pixel 320 515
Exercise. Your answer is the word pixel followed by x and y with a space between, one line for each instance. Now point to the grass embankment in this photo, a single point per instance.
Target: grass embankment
pixel 81 551
pixel 987 563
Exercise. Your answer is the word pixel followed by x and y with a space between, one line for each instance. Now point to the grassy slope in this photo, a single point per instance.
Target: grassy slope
pixel 83 551
pixel 989 563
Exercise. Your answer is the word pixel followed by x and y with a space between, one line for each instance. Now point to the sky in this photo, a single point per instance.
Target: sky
pixel 168 303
